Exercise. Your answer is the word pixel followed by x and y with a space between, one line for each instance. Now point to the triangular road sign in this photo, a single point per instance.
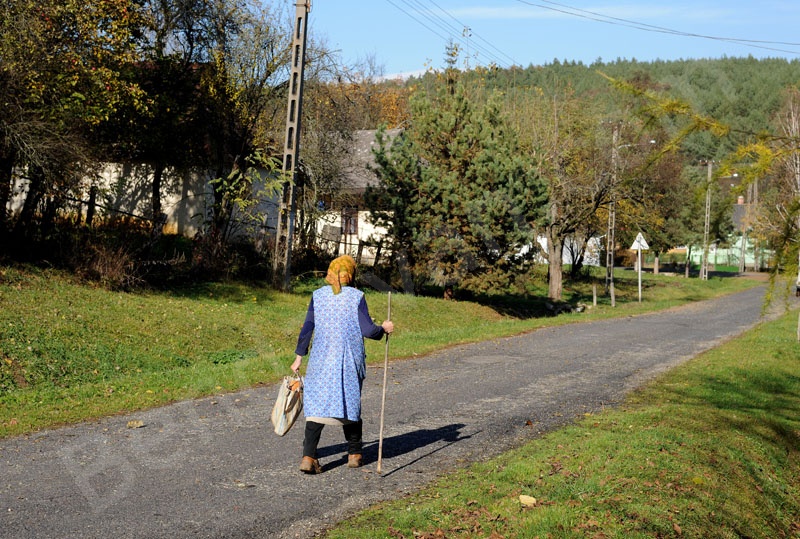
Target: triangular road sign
pixel 640 243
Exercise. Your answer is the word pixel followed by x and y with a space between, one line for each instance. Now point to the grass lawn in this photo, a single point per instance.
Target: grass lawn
pixel 71 352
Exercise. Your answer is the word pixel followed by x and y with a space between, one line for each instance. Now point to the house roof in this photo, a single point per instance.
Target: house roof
pixel 741 216
pixel 358 175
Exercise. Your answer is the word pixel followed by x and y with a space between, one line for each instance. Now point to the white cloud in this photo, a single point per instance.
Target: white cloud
pixel 405 75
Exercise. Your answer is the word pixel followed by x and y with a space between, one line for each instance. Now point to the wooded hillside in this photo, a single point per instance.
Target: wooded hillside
pixel 744 93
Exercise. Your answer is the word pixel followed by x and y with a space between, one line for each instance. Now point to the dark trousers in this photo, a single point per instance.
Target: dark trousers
pixel 352 433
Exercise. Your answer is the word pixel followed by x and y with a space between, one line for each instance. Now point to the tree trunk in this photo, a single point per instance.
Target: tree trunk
pixel 91 206
pixel 655 264
pixel 577 261
pixel 404 266
pixel 219 214
pixel 688 261
pixel 6 177
pixel 32 199
pixel 158 176
pixel 555 271
pixel 50 211
pixel 797 282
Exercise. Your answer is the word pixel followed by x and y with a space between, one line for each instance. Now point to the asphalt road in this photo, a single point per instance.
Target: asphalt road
pixel 213 468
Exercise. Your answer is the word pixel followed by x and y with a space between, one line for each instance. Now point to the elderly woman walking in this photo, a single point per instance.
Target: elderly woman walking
pixel 338 319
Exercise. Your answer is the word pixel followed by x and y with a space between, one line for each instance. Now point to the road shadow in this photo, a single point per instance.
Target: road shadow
pixel 523 307
pixel 395 446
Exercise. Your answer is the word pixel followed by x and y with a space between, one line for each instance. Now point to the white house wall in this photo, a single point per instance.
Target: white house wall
pixel 591 257
pixel 349 243
pixel 126 190
pixel 186 199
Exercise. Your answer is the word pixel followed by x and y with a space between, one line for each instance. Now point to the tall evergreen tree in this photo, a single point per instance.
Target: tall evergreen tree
pixel 457 192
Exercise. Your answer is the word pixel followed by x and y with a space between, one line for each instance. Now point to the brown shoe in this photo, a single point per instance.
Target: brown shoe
pixel 354 461
pixel 310 466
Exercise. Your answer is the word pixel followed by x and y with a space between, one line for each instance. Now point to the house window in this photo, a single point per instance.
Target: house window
pixel 350 221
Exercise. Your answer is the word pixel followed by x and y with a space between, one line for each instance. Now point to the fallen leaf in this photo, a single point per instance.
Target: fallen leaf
pixel 135 424
pixel 677 528
pixel 527 501
pixel 591 523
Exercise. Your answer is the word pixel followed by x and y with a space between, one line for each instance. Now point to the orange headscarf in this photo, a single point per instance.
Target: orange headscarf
pixel 341 272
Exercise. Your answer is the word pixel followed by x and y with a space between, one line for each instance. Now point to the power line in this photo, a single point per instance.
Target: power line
pixel 599 17
pixel 455 34
pixel 429 18
pixel 417 20
pixel 476 35
pixel 424 12
pixel 417 11
pixel 671 31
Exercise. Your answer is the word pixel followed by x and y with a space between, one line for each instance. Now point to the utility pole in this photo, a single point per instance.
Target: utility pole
pixel 704 266
pixel 612 214
pixel 745 219
pixel 284 234
pixel 756 245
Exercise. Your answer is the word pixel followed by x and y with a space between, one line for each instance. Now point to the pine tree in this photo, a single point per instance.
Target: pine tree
pixel 457 192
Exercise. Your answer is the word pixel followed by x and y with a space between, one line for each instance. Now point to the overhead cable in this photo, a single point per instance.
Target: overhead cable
pixel 428 18
pixel 599 17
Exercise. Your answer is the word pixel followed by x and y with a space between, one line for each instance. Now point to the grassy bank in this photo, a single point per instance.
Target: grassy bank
pixel 709 450
pixel 70 352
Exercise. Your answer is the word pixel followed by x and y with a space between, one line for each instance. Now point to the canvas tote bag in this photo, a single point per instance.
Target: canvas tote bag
pixel 288 405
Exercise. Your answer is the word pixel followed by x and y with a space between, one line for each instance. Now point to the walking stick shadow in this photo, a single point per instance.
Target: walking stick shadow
pixel 401 444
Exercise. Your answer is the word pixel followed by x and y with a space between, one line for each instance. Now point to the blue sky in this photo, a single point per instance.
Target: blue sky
pixel 410 35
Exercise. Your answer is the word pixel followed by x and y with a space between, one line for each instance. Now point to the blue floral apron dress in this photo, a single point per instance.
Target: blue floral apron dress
pixel 336 363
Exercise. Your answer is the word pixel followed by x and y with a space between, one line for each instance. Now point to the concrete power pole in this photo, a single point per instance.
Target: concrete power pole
pixel 287 213
pixel 612 215
pixel 745 219
pixel 704 267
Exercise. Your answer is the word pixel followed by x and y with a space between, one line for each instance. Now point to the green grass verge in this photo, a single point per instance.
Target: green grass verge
pixel 708 450
pixel 70 352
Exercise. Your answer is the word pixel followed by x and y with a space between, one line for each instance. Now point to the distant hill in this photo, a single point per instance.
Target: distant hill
pixel 741 92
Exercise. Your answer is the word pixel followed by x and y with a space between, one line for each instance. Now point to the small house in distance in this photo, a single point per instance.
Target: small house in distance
pixel 345 226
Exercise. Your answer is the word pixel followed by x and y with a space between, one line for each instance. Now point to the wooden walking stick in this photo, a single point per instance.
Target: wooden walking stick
pixel 383 397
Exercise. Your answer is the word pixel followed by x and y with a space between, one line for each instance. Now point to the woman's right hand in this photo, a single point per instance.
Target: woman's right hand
pixel 388 326
pixel 296 365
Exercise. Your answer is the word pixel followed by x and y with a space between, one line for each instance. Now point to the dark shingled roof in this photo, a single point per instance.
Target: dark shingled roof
pixel 358 175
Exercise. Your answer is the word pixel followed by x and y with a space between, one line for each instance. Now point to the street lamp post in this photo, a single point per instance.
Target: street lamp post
pixel 612 210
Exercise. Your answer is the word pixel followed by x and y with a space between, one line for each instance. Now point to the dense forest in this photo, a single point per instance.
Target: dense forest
pixel 743 93
pixel 487 159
